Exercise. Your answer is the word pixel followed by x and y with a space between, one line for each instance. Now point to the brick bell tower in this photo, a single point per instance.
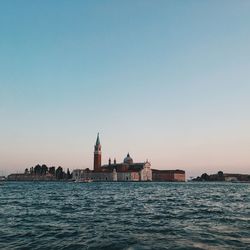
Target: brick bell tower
pixel 97 155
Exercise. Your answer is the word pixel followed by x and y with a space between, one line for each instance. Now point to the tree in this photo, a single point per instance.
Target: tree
pixel 220 176
pixel 38 169
pixel 220 173
pixel 59 173
pixel 68 174
pixel 205 177
pixel 31 170
pixel 52 170
pixel 44 169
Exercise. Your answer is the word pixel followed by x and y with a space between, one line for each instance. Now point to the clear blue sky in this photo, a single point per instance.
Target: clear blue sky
pixel 164 80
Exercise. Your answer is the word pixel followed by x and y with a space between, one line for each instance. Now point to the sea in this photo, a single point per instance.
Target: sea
pixel 142 215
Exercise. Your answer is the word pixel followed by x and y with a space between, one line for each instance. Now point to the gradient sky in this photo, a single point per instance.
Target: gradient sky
pixel 164 80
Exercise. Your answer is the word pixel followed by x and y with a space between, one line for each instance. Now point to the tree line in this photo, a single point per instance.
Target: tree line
pixel 215 177
pixel 42 170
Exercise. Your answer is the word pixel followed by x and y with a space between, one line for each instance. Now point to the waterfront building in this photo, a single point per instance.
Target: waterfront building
pixel 124 171
pixel 168 175
pixel 29 177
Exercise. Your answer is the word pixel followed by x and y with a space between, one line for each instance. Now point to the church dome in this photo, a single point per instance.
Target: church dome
pixel 128 159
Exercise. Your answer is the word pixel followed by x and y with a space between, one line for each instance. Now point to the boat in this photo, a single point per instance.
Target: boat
pixel 88 180
pixel 84 180
pixel 2 179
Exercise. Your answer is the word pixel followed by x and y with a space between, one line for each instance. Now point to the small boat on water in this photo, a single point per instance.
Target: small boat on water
pixel 84 180
pixel 2 179
pixel 88 180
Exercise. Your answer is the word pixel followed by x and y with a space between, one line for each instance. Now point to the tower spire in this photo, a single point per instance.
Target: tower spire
pixel 97 140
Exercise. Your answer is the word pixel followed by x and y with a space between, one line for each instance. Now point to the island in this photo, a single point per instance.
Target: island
pixel 220 176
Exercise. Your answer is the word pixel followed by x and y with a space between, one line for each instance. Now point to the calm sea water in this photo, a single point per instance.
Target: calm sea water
pixel 124 216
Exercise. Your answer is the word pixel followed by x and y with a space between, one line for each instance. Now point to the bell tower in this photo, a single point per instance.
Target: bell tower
pixel 97 155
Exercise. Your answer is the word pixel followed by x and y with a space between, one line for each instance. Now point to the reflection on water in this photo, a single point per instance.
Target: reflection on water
pixel 124 215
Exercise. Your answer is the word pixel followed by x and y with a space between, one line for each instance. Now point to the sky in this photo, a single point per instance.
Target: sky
pixel 167 81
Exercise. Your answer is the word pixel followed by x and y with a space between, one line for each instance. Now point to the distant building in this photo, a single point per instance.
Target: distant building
pixel 220 176
pixel 124 171
pixel 29 177
pixel 168 175
pixel 236 177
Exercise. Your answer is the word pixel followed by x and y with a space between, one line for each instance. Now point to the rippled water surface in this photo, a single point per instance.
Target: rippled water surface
pixel 44 215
